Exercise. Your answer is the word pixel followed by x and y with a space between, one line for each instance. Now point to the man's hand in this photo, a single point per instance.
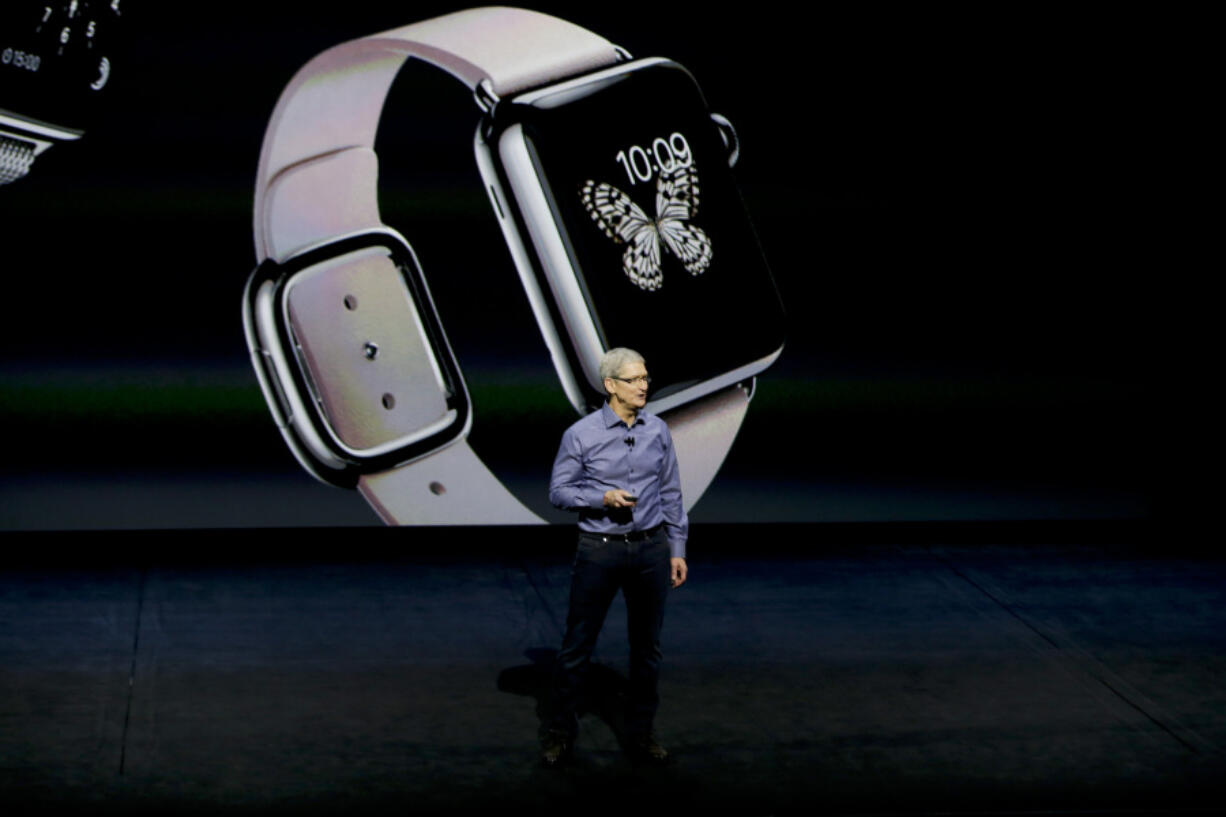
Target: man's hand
pixel 679 571
pixel 617 498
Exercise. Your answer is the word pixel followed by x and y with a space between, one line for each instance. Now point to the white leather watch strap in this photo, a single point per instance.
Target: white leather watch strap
pixel 334 102
pixel 451 486
pixel 703 432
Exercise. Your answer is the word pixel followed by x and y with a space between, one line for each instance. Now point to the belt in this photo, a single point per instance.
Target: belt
pixel 632 536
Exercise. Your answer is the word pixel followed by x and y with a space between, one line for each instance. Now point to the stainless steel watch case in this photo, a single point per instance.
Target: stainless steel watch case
pixel 531 231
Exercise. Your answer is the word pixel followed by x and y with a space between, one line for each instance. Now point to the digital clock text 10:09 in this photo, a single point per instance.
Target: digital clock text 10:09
pixel 665 156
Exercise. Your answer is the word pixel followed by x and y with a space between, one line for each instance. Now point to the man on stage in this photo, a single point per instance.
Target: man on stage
pixel 616 468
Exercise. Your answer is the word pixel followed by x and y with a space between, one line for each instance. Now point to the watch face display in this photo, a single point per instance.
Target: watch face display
pixel 669 226
pixel 56 59
pixel 637 176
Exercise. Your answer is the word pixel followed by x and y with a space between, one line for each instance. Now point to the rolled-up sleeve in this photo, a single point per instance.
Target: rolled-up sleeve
pixel 569 487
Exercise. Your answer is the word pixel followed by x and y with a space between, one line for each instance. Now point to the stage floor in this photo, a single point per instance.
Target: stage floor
pixel 803 674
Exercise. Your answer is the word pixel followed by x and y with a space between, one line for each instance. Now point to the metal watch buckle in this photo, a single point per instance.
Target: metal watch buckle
pixel 299 404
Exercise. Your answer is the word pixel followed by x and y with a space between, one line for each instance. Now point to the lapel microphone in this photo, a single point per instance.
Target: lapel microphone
pixel 629 441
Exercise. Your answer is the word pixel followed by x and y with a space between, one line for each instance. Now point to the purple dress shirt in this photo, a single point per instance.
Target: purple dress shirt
pixel 599 453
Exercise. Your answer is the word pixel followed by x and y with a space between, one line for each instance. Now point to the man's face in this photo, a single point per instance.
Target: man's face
pixel 630 386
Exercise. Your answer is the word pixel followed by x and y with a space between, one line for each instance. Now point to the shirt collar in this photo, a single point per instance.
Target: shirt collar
pixel 611 419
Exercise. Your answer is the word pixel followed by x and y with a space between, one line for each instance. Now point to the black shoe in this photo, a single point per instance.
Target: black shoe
pixel 555 748
pixel 645 749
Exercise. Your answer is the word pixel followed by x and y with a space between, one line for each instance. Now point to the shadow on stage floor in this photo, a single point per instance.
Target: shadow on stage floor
pixel 981 668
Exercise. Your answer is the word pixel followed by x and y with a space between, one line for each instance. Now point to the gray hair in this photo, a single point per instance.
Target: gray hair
pixel 612 361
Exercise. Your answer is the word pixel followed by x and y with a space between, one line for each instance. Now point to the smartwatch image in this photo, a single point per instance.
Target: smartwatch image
pixel 55 65
pixel 611 181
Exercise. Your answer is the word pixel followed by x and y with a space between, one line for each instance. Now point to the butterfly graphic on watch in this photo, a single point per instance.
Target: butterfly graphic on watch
pixel 626 223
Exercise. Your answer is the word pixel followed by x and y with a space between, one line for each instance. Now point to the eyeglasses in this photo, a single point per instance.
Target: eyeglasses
pixel 634 381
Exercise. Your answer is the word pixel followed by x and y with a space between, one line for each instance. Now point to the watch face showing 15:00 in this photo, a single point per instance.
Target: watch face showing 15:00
pixel 638 177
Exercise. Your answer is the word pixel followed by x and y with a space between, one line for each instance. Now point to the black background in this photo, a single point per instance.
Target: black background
pixel 965 268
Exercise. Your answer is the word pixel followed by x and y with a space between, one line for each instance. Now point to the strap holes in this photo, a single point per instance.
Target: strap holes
pixel 351 302
pixel 389 401
pixel 438 488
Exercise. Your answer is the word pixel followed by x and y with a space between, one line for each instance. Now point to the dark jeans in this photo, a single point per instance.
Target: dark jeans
pixel 642 571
